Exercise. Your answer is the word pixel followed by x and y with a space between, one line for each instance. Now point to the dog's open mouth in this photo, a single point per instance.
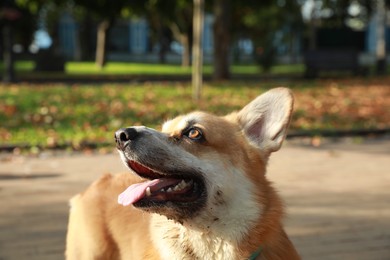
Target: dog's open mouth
pixel 160 188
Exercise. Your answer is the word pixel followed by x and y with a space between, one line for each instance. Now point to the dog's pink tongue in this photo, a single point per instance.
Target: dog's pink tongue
pixel 138 191
pixel 135 192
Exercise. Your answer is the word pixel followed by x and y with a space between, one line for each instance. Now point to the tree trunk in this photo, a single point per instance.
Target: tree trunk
pixel 184 39
pixel 9 73
pixel 313 28
pixel 221 39
pixel 186 55
pixel 101 43
pixel 197 67
pixel 380 38
pixel 84 38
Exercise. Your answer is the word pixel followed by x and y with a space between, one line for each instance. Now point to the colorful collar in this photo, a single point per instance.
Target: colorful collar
pixel 255 254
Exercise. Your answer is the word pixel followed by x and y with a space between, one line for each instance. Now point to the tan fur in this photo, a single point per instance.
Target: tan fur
pixel 96 224
pixel 100 228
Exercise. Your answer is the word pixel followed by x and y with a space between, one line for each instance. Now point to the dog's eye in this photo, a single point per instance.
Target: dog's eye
pixel 194 134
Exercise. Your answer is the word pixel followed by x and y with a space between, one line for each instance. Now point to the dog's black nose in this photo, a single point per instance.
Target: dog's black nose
pixel 124 135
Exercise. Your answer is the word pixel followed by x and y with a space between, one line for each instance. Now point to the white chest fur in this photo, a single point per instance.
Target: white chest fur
pixel 174 241
pixel 230 212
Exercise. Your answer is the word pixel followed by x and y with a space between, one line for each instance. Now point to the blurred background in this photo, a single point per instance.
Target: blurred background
pixel 73 72
pixel 265 33
pixel 73 66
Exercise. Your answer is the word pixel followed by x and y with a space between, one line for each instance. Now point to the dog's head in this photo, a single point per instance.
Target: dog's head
pixel 202 169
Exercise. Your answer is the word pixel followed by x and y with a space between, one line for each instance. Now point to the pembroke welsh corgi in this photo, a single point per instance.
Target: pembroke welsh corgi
pixel 198 190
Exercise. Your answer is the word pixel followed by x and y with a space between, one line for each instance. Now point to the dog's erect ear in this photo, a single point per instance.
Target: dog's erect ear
pixel 265 120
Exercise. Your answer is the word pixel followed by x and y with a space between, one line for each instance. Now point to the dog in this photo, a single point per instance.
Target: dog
pixel 198 190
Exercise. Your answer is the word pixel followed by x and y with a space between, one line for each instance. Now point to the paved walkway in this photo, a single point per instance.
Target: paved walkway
pixel 337 197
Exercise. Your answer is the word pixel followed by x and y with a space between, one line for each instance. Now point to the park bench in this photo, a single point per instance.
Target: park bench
pixel 332 60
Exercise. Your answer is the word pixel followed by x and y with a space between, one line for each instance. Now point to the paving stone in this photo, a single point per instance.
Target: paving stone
pixel 337 199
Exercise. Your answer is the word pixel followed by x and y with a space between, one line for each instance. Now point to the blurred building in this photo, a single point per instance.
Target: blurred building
pixel 130 40
pixel 371 38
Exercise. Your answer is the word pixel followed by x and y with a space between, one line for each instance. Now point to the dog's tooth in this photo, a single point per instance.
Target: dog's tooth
pixel 169 190
pixel 182 185
pixel 148 192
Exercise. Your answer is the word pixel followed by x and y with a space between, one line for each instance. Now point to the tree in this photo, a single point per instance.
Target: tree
pixel 261 24
pixel 380 37
pixel 222 38
pixel 16 21
pixel 252 19
pixel 8 14
pixel 197 49
pixel 106 12
pixel 177 16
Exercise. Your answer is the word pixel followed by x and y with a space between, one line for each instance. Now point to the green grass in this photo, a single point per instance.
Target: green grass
pixel 21 66
pixel 124 68
pixel 116 68
pixel 26 68
pixel 55 114
pixel 39 115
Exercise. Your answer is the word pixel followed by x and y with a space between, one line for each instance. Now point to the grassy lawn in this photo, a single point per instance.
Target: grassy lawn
pixel 77 69
pixel 24 68
pixel 168 69
pixel 52 114
pixel 21 66
pixel 123 68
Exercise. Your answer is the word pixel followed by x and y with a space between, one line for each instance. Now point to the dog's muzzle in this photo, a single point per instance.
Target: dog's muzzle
pixel 124 136
pixel 171 186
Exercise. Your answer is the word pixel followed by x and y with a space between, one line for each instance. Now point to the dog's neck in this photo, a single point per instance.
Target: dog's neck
pixel 177 241
pixel 217 239
pixel 233 225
